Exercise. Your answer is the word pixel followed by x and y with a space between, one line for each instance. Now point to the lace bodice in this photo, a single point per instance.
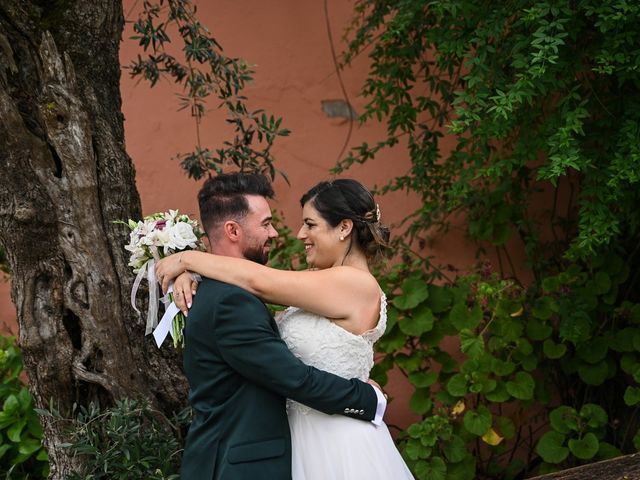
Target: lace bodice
pixel 323 344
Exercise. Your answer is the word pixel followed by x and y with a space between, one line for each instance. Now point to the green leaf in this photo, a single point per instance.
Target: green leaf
pixel 42 456
pixel 636 440
pixel 415 430
pixel 551 449
pixel 575 327
pixel 636 340
pixel 563 419
pixel 553 350
pixel 414 449
pixel 4 448
pixel 11 404
pixel 24 398
pixel 432 469
pixel 448 364
pixel 14 432
pixel 414 291
pixel 420 402
pixel 538 331
pixel 628 362
pixel 423 379
pixel 498 394
pixel 471 344
pixel 632 396
pixel 623 340
pixel 593 374
pixel 392 341
pixel 462 318
pixel 478 422
pixel 595 415
pixel 522 386
pixel 585 447
pixel 599 285
pixel 439 298
pixel 410 363
pixel 455 449
pixel 420 321
pixel 594 350
pixel 542 309
pixel 550 284
pixel 457 385
pixel 502 367
pixel 607 451
pixel 464 470
pixel 28 446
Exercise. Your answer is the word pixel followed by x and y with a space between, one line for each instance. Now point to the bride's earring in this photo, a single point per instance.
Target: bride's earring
pixel 342 238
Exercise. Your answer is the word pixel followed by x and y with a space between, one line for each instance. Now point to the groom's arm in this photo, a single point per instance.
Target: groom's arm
pixel 248 343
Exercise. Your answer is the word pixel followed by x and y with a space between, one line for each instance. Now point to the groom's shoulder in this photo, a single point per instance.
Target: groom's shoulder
pixel 220 290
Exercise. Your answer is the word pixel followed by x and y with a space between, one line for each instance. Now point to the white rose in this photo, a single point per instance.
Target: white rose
pixel 181 236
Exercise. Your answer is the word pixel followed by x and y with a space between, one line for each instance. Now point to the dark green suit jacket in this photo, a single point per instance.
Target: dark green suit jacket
pixel 240 372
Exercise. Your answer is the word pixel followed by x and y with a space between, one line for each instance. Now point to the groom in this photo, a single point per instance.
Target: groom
pixel 240 371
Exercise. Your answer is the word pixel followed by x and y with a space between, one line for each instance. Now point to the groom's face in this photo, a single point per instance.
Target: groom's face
pixel 257 230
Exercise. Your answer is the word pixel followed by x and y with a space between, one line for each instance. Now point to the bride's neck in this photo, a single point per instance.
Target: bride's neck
pixel 355 259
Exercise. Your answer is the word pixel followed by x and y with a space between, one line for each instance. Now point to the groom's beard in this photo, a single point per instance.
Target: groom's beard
pixel 256 254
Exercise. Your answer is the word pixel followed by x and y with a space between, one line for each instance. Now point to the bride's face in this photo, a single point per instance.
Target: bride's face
pixel 322 243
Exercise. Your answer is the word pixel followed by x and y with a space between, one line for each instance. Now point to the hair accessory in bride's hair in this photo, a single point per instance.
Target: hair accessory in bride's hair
pixel 372 216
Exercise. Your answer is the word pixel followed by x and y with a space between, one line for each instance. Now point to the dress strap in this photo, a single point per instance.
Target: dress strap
pixel 375 333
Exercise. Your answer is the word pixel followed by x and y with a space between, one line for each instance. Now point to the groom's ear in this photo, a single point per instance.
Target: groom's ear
pixel 232 230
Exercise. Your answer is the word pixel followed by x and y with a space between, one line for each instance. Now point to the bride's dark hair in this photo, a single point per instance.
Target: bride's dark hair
pixel 348 199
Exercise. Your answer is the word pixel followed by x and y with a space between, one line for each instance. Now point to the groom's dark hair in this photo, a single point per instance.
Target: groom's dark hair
pixel 222 197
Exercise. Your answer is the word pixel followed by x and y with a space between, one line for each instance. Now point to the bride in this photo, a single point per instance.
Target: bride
pixel 337 313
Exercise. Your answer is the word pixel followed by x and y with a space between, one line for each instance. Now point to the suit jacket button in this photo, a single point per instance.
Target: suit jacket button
pixel 346 410
pixel 361 412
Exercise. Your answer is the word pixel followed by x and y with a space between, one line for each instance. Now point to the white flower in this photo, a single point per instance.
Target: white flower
pixel 181 236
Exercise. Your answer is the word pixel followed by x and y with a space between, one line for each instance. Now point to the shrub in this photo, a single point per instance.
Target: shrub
pixel 21 452
pixel 129 440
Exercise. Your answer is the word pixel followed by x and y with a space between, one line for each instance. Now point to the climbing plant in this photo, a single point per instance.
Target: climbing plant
pixel 541 99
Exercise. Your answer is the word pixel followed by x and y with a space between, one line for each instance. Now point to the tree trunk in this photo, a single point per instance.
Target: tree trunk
pixel 66 178
pixel 621 468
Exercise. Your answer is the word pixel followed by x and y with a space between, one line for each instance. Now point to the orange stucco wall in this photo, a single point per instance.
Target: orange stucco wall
pixel 288 42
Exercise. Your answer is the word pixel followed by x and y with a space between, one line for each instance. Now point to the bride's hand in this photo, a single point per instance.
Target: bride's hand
pixel 169 268
pixel 184 288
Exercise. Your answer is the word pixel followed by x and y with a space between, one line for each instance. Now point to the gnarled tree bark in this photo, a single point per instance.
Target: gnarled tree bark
pixel 66 179
pixel 622 468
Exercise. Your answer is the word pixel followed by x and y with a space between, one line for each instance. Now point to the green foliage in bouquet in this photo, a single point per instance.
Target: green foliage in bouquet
pixel 128 440
pixel 22 454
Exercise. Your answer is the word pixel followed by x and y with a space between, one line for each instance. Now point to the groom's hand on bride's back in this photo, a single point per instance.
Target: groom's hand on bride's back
pixel 376 385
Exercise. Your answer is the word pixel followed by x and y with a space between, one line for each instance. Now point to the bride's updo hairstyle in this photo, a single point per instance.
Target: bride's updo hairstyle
pixel 348 199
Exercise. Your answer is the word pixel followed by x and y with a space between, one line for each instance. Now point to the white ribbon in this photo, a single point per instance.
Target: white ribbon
pixel 165 325
pixel 136 284
pixel 160 329
pixel 148 270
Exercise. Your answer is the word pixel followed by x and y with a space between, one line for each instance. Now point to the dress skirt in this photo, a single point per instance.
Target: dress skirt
pixel 335 447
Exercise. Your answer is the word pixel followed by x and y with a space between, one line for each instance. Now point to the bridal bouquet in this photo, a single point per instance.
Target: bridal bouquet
pixel 151 239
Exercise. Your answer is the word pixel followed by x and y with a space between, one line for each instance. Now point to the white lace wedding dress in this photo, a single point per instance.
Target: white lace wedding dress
pixel 335 447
